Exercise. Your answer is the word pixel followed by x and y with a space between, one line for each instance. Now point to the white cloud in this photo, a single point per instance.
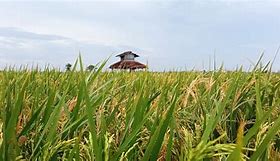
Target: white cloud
pixel 18 47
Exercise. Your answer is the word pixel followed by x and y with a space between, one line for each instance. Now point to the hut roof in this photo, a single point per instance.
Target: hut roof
pixel 127 64
pixel 126 53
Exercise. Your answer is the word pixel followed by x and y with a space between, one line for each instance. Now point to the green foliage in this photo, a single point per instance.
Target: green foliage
pixel 90 67
pixel 86 114
pixel 68 67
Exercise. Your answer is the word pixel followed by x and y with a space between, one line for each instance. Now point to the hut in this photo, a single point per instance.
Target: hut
pixel 128 62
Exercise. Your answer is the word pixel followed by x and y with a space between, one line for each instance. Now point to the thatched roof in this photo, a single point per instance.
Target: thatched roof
pixel 126 53
pixel 127 64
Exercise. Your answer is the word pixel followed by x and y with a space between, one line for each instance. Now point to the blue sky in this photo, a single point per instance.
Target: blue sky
pixel 169 35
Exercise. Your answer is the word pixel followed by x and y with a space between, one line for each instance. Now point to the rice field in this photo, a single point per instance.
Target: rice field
pixel 121 116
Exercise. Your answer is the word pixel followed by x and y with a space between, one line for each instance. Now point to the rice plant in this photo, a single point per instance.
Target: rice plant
pixel 113 116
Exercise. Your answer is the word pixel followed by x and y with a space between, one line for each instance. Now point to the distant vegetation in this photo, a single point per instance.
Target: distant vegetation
pixel 91 68
pixel 193 116
pixel 68 67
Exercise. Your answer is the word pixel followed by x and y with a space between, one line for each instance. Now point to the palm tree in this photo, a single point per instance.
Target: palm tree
pixel 68 67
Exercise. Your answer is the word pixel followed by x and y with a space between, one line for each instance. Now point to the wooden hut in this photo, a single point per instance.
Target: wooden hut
pixel 128 62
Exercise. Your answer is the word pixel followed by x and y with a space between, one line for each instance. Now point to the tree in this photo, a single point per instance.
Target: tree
pixel 90 67
pixel 68 67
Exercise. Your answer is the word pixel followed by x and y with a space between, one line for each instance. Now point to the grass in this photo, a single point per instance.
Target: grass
pixel 192 116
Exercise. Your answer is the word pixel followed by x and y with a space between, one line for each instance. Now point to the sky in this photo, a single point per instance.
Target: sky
pixel 168 35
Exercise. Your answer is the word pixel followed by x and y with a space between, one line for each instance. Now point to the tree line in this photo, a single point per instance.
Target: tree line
pixel 91 67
